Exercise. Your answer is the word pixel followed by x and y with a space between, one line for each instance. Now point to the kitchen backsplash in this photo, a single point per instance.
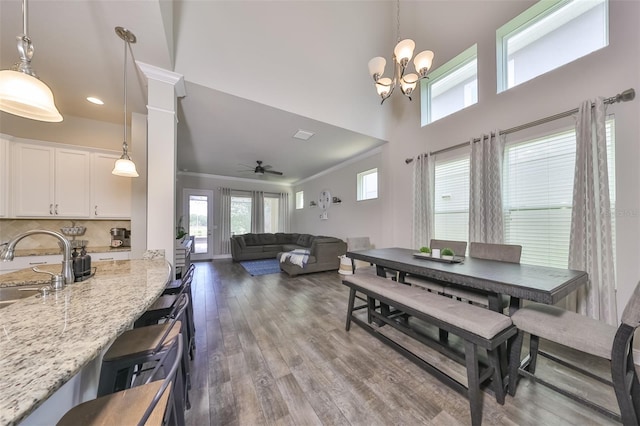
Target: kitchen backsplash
pixel 98 233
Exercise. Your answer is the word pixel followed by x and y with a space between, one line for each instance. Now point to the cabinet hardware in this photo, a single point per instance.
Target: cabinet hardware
pixel 106 258
pixel 37 263
pixel 95 212
pixel 56 209
pixel 51 209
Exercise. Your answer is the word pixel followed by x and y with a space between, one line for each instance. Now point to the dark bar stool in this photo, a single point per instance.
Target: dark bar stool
pixel 143 345
pixel 165 303
pixel 149 404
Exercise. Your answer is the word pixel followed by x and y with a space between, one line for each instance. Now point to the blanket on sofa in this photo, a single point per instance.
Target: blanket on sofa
pixel 297 257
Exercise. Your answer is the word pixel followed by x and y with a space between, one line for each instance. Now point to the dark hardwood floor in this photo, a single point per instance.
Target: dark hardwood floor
pixel 273 350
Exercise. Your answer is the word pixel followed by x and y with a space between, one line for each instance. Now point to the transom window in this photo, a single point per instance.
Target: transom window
pixel 548 35
pixel 451 87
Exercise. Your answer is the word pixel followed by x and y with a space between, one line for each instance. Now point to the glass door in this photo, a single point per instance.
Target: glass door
pixel 198 221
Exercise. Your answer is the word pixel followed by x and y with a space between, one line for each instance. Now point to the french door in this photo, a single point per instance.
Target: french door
pixel 198 221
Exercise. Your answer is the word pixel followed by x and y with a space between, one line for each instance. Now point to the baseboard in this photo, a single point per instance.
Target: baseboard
pixel 221 256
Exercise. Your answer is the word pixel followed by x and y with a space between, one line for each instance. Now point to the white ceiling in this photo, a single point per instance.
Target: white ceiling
pixel 255 71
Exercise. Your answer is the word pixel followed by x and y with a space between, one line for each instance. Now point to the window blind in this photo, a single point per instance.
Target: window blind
pixel 451 202
pixel 538 193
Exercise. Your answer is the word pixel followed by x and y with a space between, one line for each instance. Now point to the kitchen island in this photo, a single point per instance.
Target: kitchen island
pixel 45 341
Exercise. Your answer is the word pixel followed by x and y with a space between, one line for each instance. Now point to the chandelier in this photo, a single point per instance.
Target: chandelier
pixel 22 93
pixel 125 166
pixel 402 54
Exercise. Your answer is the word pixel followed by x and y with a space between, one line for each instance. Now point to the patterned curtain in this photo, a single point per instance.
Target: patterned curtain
pixel 225 221
pixel 284 219
pixel 423 199
pixel 590 246
pixel 257 211
pixel 485 189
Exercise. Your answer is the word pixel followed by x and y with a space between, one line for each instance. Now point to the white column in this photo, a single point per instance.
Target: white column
pixel 164 87
pixel 138 151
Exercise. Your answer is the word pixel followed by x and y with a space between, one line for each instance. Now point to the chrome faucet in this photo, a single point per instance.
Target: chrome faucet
pixel 8 252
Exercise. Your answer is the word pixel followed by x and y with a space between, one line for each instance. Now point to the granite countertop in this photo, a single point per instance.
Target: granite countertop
pixel 45 341
pixel 57 250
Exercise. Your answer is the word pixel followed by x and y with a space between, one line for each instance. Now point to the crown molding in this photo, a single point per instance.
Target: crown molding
pixel 345 163
pixel 234 179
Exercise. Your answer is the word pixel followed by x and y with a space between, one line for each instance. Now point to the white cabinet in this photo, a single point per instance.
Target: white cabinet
pixel 24 262
pixel 110 194
pixel 114 255
pixel 50 182
pixel 4 177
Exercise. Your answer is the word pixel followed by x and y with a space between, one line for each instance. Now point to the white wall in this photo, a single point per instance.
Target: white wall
pixel 350 218
pixel 214 183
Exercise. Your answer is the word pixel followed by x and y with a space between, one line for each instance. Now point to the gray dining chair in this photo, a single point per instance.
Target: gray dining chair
pixel 459 248
pixel 510 253
pixel 586 335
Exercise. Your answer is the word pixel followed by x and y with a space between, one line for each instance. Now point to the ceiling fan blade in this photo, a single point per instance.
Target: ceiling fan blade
pixel 273 172
pixel 267 167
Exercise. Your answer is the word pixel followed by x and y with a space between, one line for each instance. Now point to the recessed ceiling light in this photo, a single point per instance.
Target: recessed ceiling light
pixel 95 100
pixel 303 135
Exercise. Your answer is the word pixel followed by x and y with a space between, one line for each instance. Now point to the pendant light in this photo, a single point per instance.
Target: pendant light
pixel 124 166
pixel 22 93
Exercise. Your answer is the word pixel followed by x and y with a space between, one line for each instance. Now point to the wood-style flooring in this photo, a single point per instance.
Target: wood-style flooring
pixel 272 350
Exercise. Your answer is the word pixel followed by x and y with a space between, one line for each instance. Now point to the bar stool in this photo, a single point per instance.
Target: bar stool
pixel 175 286
pixel 147 404
pixel 161 308
pixel 138 346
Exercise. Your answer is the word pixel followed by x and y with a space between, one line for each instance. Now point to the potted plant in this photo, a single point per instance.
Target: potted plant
pixel 180 231
pixel 426 251
pixel 446 253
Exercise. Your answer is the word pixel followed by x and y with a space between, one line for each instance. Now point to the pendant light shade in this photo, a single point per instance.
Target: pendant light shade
pixel 125 166
pixel 21 92
pixel 26 96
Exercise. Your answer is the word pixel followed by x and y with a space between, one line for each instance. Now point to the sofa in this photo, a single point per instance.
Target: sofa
pixel 324 251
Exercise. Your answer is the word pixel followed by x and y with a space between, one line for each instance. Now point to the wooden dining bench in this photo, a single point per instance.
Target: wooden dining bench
pixel 475 326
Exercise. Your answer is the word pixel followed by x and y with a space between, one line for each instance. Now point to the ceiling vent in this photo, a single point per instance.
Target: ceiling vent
pixel 303 135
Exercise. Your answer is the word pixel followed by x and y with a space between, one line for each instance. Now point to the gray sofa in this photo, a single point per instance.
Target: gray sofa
pixel 324 251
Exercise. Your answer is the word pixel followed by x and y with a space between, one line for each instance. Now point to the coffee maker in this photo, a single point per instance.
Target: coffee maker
pixel 120 237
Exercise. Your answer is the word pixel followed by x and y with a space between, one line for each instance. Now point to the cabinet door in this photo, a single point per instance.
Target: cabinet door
pixel 111 194
pixel 4 177
pixel 72 183
pixel 33 180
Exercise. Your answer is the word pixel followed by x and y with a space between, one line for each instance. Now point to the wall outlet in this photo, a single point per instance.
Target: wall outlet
pixel 324 216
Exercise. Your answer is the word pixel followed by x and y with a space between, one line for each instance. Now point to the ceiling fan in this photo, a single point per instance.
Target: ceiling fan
pixel 261 170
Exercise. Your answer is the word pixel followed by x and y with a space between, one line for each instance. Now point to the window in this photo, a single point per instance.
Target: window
pixel 451 202
pixel 299 200
pixel 450 88
pixel 240 215
pixel 547 36
pixel 271 213
pixel 367 183
pixel 538 194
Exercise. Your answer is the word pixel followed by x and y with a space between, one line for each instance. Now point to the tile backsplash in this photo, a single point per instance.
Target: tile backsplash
pixel 98 232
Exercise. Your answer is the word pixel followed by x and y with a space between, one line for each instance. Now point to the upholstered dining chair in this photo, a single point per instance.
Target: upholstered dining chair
pixel 458 247
pixel 500 252
pixel 583 334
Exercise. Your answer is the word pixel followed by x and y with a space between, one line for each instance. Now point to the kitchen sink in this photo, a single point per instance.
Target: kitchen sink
pixel 9 295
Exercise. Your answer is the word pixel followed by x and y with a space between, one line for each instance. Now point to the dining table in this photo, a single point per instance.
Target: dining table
pixel 494 278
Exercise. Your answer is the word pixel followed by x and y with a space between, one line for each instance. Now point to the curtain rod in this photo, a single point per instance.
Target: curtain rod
pixel 627 95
